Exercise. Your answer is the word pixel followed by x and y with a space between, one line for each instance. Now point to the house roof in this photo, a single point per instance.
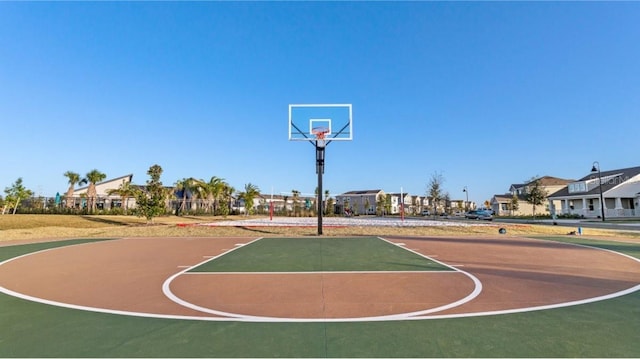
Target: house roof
pixel 281 197
pixel 398 194
pixel 610 179
pixel 502 198
pixel 544 181
pixel 552 181
pixel 362 192
pixel 130 176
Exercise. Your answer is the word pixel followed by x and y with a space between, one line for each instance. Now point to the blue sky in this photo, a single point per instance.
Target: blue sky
pixel 484 93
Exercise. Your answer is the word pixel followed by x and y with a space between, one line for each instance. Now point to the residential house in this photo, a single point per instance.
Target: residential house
pixel 402 202
pixel 457 205
pixel 282 203
pixel 425 203
pixel 104 200
pixel 620 190
pixel 362 202
pixel 416 205
pixel 501 204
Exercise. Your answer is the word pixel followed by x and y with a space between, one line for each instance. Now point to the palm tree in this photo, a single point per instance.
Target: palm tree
pixel 213 191
pixel 125 191
pixel 250 192
pixel 74 179
pixel 16 193
pixel 187 186
pixel 93 177
pixel 226 199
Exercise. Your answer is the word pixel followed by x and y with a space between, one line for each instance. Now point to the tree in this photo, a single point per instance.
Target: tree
pixel 250 192
pixel 330 206
pixel 381 199
pixel 226 199
pixel 125 191
pixel 189 189
pixel 387 203
pixel 327 209
pixel 73 179
pixel 536 194
pixel 347 206
pixel 93 177
pixel 150 202
pixel 514 204
pixel 447 202
pixel 15 194
pixel 296 199
pixel 367 204
pixel 213 191
pixel 434 190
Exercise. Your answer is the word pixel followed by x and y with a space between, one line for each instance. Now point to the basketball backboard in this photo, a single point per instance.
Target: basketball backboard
pixel 335 120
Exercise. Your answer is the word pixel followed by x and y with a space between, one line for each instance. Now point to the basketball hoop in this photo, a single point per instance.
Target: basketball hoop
pixel 320 132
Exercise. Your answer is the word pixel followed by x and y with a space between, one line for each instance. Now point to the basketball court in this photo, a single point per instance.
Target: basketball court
pixel 433 278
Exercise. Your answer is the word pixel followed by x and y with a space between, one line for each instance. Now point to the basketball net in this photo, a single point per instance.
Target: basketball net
pixel 320 132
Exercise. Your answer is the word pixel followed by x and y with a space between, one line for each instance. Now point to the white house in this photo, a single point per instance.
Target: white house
pixel 620 190
pixel 104 200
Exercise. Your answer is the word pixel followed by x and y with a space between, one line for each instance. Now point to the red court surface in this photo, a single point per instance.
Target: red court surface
pixel 493 274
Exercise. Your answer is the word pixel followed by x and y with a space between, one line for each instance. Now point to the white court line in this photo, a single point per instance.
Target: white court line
pixel 166 286
pixel 283 320
pixel 476 291
pixel 334 272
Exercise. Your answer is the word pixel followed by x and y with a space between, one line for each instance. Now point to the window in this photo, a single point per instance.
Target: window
pixel 577 187
pixel 591 204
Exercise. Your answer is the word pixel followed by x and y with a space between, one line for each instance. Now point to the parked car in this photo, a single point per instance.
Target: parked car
pixel 479 214
pixel 426 213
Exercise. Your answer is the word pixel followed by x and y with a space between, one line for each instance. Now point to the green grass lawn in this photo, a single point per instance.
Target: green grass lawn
pixel 320 254
pixel 602 329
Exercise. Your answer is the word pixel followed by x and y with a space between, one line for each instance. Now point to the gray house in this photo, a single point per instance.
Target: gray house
pixel 358 202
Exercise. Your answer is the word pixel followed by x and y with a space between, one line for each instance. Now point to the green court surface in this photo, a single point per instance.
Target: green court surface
pixel 18 250
pixel 602 329
pixel 320 254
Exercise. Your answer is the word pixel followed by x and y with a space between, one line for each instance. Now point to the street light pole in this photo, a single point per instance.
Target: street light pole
pixel 594 169
pixel 466 192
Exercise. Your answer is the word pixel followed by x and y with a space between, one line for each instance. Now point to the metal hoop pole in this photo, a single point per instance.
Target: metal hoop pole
pixel 320 171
